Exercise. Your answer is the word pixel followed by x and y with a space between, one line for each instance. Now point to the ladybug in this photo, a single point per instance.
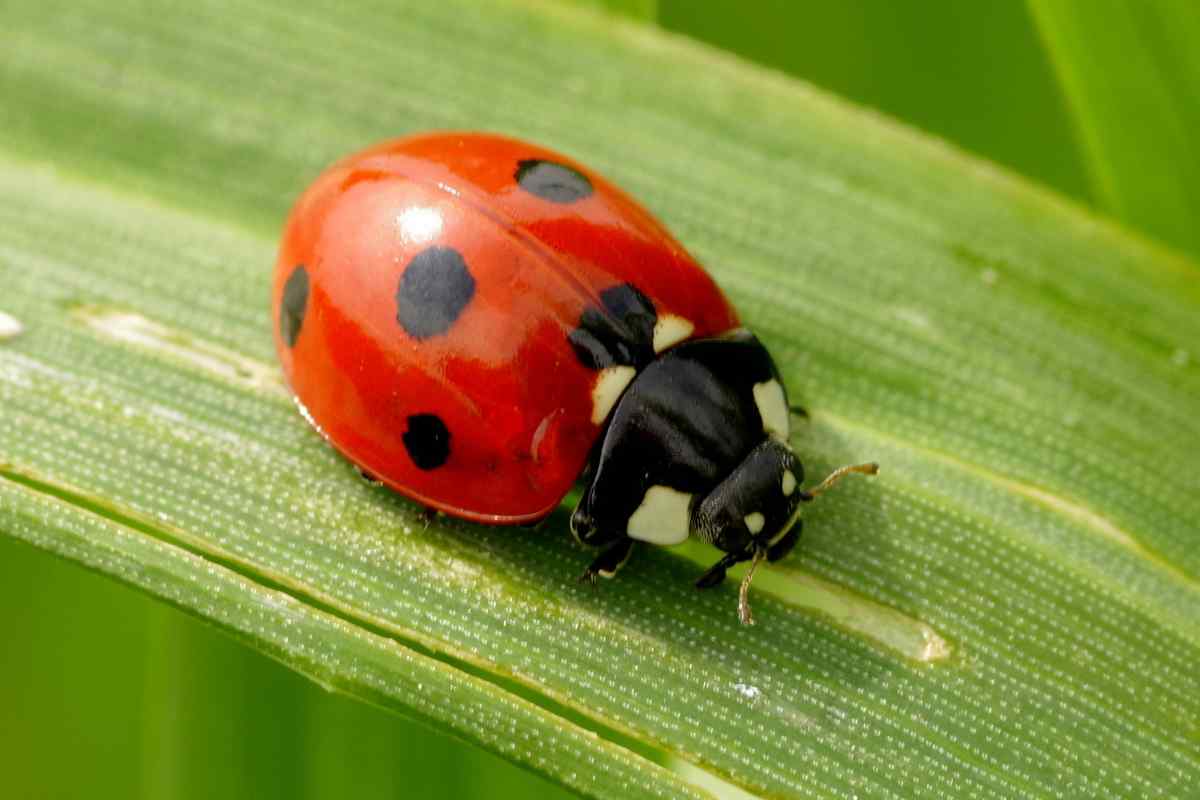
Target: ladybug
pixel 479 322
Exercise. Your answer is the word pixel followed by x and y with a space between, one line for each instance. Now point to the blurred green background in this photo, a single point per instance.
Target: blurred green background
pixel 158 705
pixel 974 73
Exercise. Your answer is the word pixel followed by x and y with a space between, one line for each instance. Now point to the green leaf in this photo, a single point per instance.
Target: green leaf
pixel 644 10
pixel 1009 609
pixel 1131 71
pixel 974 73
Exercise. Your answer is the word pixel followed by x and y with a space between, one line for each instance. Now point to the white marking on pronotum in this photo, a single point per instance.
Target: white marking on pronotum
pixel 609 384
pixel 772 407
pixel 10 326
pixel 754 521
pixel 789 483
pixel 670 330
pixel 663 518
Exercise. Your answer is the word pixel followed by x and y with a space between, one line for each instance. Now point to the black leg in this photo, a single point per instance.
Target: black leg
pixel 716 572
pixel 608 562
pixel 797 411
pixel 785 544
pixel 428 515
pixel 368 477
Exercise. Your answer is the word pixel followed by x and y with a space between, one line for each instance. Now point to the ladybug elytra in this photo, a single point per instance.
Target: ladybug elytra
pixel 478 322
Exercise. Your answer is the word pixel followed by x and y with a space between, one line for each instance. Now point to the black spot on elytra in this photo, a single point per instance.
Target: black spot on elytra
pixel 619 332
pixel 557 183
pixel 427 441
pixel 293 304
pixel 434 289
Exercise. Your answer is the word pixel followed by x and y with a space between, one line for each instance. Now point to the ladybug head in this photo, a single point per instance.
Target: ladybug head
pixel 756 506
pixel 753 515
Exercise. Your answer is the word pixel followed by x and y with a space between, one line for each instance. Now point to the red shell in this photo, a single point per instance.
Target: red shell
pixel 503 378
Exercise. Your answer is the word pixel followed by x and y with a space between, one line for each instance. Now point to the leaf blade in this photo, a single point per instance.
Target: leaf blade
pixel 955 309
pixel 1132 76
pixel 339 656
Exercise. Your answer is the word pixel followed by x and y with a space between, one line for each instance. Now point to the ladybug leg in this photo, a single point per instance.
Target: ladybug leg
pixel 716 573
pixel 428 515
pixel 368 477
pixel 798 411
pixel 609 562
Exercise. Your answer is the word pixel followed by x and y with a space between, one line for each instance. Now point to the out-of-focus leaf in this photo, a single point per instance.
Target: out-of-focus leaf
pixel 974 73
pixel 1131 70
pixel 1010 609
pixel 645 10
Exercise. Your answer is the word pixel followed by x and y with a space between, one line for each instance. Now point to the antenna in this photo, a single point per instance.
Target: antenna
pixel 870 468
pixel 760 553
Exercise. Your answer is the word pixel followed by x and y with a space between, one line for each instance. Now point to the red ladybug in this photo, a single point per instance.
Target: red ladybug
pixel 474 319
